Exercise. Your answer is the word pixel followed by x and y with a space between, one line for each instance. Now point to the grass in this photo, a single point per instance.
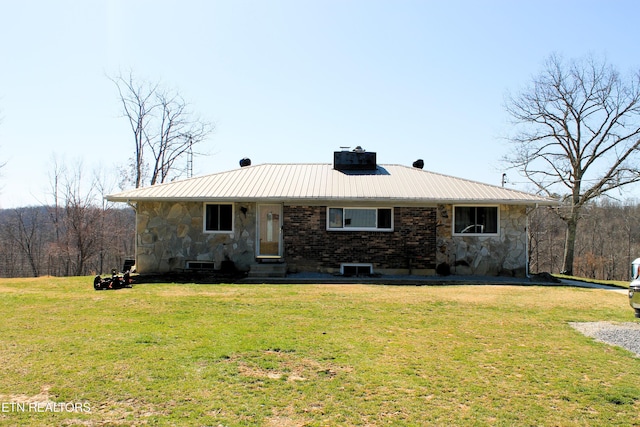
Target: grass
pixel 312 355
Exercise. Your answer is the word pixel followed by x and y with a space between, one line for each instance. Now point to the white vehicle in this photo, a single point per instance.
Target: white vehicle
pixel 634 287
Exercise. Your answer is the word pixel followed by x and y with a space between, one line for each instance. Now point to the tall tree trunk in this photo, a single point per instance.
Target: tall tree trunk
pixel 569 245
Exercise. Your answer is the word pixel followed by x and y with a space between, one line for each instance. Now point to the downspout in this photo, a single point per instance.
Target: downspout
pixel 134 205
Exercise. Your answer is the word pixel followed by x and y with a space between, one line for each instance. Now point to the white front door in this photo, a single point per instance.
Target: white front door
pixel 269 231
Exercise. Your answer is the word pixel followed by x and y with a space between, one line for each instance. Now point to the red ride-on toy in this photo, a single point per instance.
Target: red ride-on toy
pixel 116 281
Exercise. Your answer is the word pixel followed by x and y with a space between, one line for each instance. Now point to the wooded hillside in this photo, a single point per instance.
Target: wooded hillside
pixel 608 240
pixel 39 241
pixel 64 241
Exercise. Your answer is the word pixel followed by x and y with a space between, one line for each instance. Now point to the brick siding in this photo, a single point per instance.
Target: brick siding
pixel 310 247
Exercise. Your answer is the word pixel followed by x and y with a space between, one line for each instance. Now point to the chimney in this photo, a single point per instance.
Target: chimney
pixel 355 160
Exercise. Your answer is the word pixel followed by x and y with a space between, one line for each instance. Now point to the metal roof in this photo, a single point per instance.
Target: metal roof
pixel 315 183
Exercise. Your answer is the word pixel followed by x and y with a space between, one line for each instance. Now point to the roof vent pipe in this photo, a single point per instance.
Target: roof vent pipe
pixel 245 162
pixel 419 164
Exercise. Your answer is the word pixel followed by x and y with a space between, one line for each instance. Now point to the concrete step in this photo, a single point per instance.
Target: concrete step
pixel 268 270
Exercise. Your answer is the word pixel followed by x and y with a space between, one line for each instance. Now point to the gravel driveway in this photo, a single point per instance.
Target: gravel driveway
pixel 625 335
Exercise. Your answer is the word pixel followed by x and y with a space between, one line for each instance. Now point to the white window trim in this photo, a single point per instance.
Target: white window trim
pixel 383 230
pixel 204 218
pixel 453 224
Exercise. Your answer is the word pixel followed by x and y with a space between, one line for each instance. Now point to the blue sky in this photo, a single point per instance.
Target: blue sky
pixel 287 81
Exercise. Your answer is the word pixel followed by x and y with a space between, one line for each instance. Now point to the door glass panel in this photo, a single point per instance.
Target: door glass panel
pixel 269 230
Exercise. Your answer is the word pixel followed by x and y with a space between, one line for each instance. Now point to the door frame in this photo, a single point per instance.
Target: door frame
pixel 259 229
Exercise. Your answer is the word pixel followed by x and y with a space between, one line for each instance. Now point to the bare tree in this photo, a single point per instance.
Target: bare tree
pixel 577 135
pixel 75 233
pixel 74 218
pixel 544 243
pixel 82 220
pixel 26 234
pixel 163 127
pixel 178 133
pixel 138 105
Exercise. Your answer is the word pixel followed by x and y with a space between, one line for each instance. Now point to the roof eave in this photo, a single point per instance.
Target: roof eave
pixel 332 200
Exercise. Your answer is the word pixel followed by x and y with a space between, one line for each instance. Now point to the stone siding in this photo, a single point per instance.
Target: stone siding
pixel 169 234
pixel 410 247
pixel 504 254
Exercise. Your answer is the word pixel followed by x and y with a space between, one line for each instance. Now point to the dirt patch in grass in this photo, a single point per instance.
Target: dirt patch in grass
pixel 111 412
pixel 284 365
pixel 120 412
pixel 40 399
pixel 285 417
pixel 280 421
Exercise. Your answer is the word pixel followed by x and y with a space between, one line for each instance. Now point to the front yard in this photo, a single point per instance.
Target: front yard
pixel 316 355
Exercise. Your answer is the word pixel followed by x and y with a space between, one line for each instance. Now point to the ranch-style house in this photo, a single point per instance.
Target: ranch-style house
pixel 354 216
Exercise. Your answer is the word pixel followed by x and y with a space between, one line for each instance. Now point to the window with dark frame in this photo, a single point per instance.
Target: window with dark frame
pixel 476 220
pixel 219 217
pixel 384 218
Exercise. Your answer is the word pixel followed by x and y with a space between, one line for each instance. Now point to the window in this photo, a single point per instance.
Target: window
pixel 356 269
pixel 201 265
pixel 360 219
pixel 475 220
pixel 218 218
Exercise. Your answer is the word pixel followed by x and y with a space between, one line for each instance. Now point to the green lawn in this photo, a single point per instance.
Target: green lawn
pixel 316 355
